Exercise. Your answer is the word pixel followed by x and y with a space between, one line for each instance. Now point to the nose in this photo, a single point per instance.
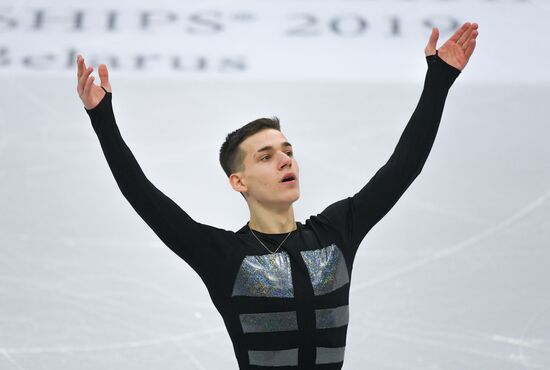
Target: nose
pixel 285 161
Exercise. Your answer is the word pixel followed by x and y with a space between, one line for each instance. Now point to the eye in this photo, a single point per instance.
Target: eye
pixel 291 153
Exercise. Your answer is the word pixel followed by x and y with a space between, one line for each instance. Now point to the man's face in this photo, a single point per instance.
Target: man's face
pixel 268 159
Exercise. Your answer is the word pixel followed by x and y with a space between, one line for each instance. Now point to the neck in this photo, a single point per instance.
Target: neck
pixel 272 220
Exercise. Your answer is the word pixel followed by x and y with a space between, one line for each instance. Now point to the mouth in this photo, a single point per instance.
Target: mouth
pixel 289 182
pixel 289 177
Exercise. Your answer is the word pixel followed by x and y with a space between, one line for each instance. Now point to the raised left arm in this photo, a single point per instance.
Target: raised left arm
pixel 355 216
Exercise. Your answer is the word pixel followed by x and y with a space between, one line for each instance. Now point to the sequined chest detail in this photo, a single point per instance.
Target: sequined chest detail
pixel 270 275
pixel 267 275
pixel 327 269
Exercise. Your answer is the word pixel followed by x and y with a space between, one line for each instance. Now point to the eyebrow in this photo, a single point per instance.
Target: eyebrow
pixel 269 147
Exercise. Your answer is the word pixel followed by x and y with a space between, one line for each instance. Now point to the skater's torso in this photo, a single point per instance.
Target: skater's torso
pixel 288 309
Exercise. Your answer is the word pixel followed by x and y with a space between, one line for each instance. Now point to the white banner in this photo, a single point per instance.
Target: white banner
pixel 268 39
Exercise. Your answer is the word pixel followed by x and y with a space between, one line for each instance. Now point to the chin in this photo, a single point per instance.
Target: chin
pixel 295 198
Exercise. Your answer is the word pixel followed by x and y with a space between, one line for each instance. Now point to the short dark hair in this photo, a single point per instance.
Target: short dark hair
pixel 231 156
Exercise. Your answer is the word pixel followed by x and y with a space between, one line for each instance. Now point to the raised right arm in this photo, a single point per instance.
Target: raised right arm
pixel 190 240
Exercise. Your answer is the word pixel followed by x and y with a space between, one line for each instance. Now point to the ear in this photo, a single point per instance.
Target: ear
pixel 237 182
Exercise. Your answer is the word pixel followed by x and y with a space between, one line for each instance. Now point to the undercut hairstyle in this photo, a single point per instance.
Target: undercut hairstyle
pixel 231 156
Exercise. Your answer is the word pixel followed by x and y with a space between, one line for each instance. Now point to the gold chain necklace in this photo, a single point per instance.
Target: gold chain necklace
pixel 253 233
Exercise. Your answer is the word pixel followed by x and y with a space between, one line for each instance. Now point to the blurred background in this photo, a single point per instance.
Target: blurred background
pixel 456 276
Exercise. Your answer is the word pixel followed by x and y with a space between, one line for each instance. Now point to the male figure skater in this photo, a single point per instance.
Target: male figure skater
pixel 281 286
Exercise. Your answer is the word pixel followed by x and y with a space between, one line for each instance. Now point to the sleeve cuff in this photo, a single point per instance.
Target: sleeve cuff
pixel 442 69
pixel 435 59
pixel 101 108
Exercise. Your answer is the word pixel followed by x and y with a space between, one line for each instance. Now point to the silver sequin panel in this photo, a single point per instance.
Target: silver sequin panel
pixel 327 269
pixel 332 317
pixel 267 275
pixel 327 355
pixel 287 357
pixel 269 322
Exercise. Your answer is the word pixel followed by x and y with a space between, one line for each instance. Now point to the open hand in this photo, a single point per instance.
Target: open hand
pixel 458 49
pixel 90 93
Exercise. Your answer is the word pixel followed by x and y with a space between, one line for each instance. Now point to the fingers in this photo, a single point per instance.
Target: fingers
pixel 82 74
pixel 432 42
pixel 470 48
pixel 88 86
pixel 460 32
pixel 469 43
pixel 433 37
pixel 463 39
pixel 81 66
pixel 104 77
pixel 83 80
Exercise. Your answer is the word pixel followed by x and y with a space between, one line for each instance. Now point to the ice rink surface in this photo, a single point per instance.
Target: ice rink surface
pixel 455 277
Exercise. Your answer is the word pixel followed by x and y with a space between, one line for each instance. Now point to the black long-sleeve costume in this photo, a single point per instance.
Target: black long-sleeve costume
pixel 289 309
